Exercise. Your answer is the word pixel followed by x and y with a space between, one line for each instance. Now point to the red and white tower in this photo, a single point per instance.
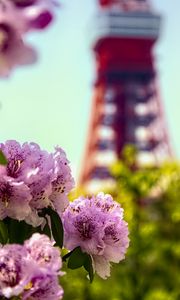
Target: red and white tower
pixel 126 107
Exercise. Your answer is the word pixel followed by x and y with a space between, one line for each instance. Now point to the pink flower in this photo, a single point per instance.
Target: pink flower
pixel 38 14
pixel 13 51
pixel 31 271
pixel 96 225
pixel 44 287
pixel 45 179
pixel 63 181
pixel 40 249
pixel 42 20
pixel 15 270
pixel 14 199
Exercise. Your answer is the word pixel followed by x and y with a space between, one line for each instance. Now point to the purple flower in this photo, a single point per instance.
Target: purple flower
pixel 15 270
pixel 2 170
pixel 63 181
pixel 46 258
pixel 23 3
pixel 96 225
pixel 45 180
pixel 40 249
pixel 31 270
pixel 18 17
pixel 44 287
pixel 37 14
pixel 14 199
pixel 13 51
pixel 43 19
pixel 26 161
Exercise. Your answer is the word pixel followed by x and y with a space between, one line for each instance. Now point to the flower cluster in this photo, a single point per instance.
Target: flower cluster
pixel 33 179
pixel 31 270
pixel 34 186
pixel 17 17
pixel 96 225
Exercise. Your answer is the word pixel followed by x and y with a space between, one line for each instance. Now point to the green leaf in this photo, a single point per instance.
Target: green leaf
pixel 46 230
pixel 3 233
pixel 3 160
pixel 13 230
pixel 56 227
pixel 76 259
pixel 67 255
pixel 19 231
pixel 89 267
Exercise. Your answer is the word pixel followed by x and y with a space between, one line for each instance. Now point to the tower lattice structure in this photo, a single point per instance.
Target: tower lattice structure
pixel 126 105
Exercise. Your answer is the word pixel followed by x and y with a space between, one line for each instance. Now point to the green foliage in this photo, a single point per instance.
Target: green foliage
pixel 14 231
pixel 56 227
pixel 3 233
pixel 150 197
pixel 89 267
pixel 3 160
pixel 77 259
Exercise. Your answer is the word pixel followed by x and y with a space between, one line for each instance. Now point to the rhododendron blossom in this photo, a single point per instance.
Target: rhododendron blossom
pixel 13 50
pixel 44 178
pixel 40 249
pixel 15 270
pixel 44 287
pixel 31 270
pixel 14 199
pixel 17 17
pixel 96 225
pixel 32 14
pixel 38 13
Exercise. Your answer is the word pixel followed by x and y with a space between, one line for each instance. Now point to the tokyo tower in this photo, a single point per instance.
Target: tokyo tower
pixel 126 105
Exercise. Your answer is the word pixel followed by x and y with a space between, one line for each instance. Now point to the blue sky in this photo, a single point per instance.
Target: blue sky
pixel 49 103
